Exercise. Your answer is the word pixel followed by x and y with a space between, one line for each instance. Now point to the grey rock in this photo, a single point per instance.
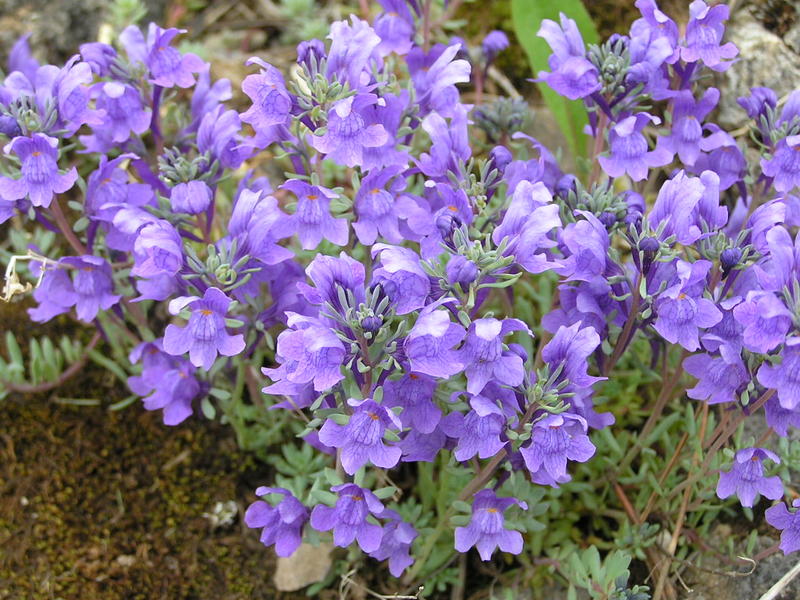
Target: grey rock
pixel 765 59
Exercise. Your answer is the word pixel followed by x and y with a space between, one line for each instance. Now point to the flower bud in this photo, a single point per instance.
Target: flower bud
pixel 9 126
pixel 461 270
pixel 310 48
pixel 501 157
pixel 371 323
pixel 729 258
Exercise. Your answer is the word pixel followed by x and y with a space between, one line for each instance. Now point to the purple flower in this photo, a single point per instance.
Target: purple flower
pixel 746 478
pixel 784 377
pixel 435 76
pixel 571 73
pixel 218 136
pixel 704 36
pixel 476 433
pixel 396 542
pixel 124 111
pixel 629 153
pixel 167 382
pixel 20 58
pixel 351 127
pixel 402 278
pixel 780 418
pixel 461 271
pixel 724 157
pixel 191 197
pixel 681 308
pixel 158 250
pixel 422 447
pixel 554 440
pixel 587 244
pixel 272 104
pixel 414 392
pixel 281 524
pixel 429 344
pixel 687 130
pixel 349 518
pixel 449 144
pixel 766 321
pixel 781 518
pixel 718 380
pixel 656 25
pixel 312 219
pixel 89 291
pixel 256 222
pixel 486 530
pixel 99 56
pixel 168 67
pixel 493 44
pixel 530 218
pixel 375 206
pixel 484 357
pixel 361 440
pixel 352 50
pixel 395 27
pixel 676 206
pixel 204 336
pixel 308 351
pixel 569 350
pixel 783 261
pixel 330 274
pixel 784 166
pixel 40 179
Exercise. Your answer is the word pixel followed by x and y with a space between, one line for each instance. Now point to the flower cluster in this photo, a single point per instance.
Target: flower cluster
pixel 375 286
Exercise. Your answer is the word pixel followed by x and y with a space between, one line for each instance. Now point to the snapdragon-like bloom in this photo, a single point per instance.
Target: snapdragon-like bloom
pixel 484 357
pixel 361 440
pixel 784 166
pixel 629 152
pixel 272 103
pixel 350 129
pixel 746 478
pixel 167 382
pixel 402 277
pixel 477 433
pixel 587 245
pixel 435 76
pixel 205 335
pixel 353 49
pixel 765 319
pixel 788 522
pixel 376 207
pixel 90 289
pixel 395 27
pixel 396 543
pixel 308 352
pixel 555 439
pixel 281 524
pixel 414 393
pixel 486 530
pixel 530 218
pixel 191 197
pixel 718 380
pixel 429 344
pixel 687 129
pixel 125 112
pixel 681 308
pixel 168 67
pixel 39 177
pixel 785 376
pixel 349 519
pixel 571 74
pixel 704 36
pixel 312 219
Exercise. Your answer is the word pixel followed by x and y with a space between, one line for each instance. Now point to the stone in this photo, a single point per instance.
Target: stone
pixel 310 564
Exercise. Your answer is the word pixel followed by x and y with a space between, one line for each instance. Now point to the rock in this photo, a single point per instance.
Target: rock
pixel 767 58
pixel 308 565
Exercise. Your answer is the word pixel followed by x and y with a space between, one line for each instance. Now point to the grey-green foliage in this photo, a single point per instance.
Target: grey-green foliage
pixel 603 578
pixel 122 13
pixel 45 362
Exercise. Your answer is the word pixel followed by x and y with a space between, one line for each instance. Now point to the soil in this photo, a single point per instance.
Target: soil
pixel 109 505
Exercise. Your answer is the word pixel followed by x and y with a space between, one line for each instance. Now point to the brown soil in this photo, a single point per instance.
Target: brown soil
pixel 103 505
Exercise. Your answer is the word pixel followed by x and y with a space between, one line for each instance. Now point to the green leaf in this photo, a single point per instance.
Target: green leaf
pixel 527 16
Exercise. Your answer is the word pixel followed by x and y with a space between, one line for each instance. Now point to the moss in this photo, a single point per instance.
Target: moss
pixel 102 505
